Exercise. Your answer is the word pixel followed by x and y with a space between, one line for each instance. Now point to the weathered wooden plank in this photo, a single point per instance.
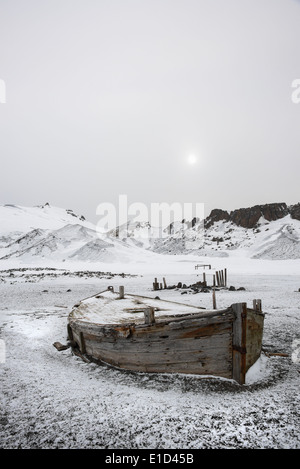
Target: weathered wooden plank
pixel 254 335
pixel 214 298
pixel 167 321
pixel 205 352
pixel 121 292
pixel 149 315
pixel 181 329
pixel 239 343
pixel 222 340
pixel 172 338
pixel 186 366
pixel 191 363
pixel 82 343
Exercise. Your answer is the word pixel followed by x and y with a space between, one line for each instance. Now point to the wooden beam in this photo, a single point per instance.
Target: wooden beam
pixel 214 299
pixel 82 343
pixel 121 292
pixel 239 343
pixel 257 305
pixel 149 315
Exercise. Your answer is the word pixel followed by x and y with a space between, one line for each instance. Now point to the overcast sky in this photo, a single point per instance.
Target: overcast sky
pixel 110 97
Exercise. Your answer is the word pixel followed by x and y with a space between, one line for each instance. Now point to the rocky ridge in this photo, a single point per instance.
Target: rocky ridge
pixel 249 217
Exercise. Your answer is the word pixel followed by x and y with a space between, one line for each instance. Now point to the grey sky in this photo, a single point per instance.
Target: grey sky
pixel 110 97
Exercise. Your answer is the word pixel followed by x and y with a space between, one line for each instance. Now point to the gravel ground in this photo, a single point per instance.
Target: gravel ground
pixel 52 399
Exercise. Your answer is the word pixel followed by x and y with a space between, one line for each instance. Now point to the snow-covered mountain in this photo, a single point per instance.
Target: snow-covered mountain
pixel 270 231
pixel 44 231
pixel 29 234
pixel 16 220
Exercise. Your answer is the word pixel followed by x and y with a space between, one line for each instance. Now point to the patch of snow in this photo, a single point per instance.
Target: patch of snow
pixel 258 371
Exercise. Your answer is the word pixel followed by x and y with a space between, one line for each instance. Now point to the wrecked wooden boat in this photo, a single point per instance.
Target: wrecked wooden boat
pixel 142 334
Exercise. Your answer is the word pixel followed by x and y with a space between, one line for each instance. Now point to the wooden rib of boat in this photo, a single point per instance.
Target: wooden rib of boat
pixel 138 333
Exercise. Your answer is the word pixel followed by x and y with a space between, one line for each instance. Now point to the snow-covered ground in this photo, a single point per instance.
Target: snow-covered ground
pixel 52 399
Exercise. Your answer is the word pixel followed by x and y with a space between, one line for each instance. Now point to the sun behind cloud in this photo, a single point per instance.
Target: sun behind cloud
pixel 192 159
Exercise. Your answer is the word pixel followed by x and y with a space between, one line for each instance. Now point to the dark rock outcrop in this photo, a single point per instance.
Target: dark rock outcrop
pixel 295 211
pixel 215 216
pixel 249 217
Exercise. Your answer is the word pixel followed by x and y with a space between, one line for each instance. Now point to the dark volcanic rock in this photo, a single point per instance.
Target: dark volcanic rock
pixel 249 217
pixel 295 211
pixel 273 212
pixel 216 215
pixel 246 217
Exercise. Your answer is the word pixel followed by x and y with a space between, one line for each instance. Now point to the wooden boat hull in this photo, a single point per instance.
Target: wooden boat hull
pixel 223 343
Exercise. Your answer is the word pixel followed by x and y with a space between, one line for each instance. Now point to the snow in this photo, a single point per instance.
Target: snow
pixel 104 308
pixel 52 399
pixel 30 234
pixel 16 218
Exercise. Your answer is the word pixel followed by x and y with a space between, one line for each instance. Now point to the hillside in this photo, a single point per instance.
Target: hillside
pixel 270 231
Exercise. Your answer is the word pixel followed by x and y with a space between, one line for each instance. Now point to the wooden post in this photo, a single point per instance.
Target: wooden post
pixel 239 343
pixel 81 343
pixel 257 305
pixel 214 299
pixel 165 283
pixel 70 333
pixel 160 286
pixel 218 278
pixel 204 279
pixel 121 292
pixel 214 280
pixel 149 315
pixel 222 278
pixel 225 270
